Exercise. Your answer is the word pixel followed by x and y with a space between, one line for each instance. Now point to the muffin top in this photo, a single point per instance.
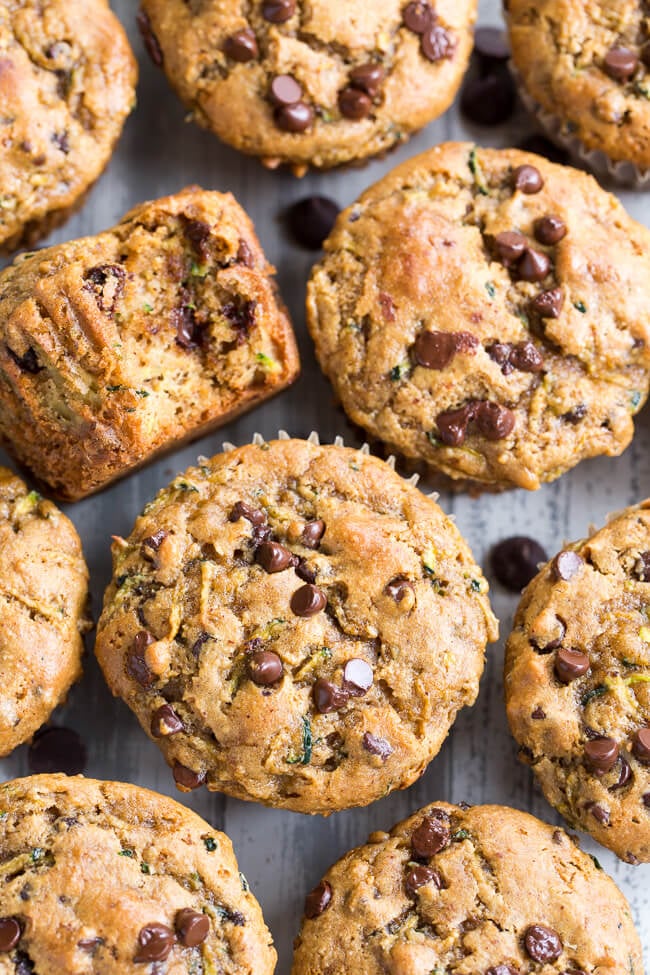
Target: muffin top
pixel 577 682
pixel 312 84
pixel 587 62
pixel 458 889
pixel 111 878
pixel 486 311
pixel 67 83
pixel 43 609
pixel 295 624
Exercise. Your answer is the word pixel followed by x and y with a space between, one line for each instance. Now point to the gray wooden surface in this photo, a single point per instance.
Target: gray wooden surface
pixel 283 854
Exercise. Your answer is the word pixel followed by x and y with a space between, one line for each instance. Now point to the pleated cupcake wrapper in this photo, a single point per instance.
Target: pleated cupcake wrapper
pixel 624 174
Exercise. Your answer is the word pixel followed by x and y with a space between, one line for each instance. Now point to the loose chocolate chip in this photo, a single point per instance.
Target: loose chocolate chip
pixel 368 77
pixel 399 588
pixel 542 944
pixel 624 775
pixel 57 750
pixel 354 104
pixel 242 46
pixel 305 571
pixel 642 567
pixel 311 220
pixel 420 876
pixel 510 246
pixel 534 265
pixel 620 63
pixel 312 533
pixel 256 516
pixel 192 927
pixel 550 229
pixel 548 304
pixel 435 350
pixel 186 778
pixel 10 933
pixel 491 44
pixel 600 814
pixel 155 942
pixel 294 118
pixel 278 11
pixel 150 545
pixel 641 746
pixel 566 564
pixel 514 561
pixel 274 557
pixel 285 90
pixel 490 99
pixel 437 44
pixel 308 601
pixel 377 746
pixel 542 146
pixel 452 425
pixel 357 677
pixel 431 836
pixel 318 900
pixel 418 17
pixel 494 422
pixel 327 696
pixel 265 668
pixel 165 722
pixel 601 754
pixel 570 664
pixel 575 415
pixel 527 179
pixel 135 662
pixel 150 40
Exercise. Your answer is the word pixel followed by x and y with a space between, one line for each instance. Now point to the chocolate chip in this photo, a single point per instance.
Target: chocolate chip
pixel 538 714
pixel 186 778
pixel 550 229
pixel 645 799
pixel 491 44
pixel 368 77
pixel 523 356
pixel 96 280
pixel 311 220
pixel 241 315
pixel 192 927
pixel 242 46
pixel 57 750
pixel 357 677
pixel 431 836
pixel 377 746
pixel 294 118
pixel 305 571
pixel 437 44
pixel 278 11
pixel 601 754
pixel 510 246
pixel 312 533
pixel 256 516
pixel 183 321
pixel 452 425
pixel 435 350
pixel 541 146
pixel 514 561
pixel 642 567
pixel 566 564
pixel 135 662
pixel 399 588
pixel 418 17
pixel 318 900
pixel 27 362
pixel 274 557
pixel 62 142
pixel 90 944
pixel 245 254
pixel 494 422
pixel 620 63
pixel 600 814
pixel 354 104
pixel 327 696
pixel 165 722
pixel 264 668
pixel 150 545
pixel 570 664
pixel 489 99
pixel 308 601
pixel 641 746
pixel 420 876
pixel 542 944
pixel 285 90
pixel 10 933
pixel 527 179
pixel 548 304
pixel 150 40
pixel 534 265
pixel 624 774
pixel 155 942
pixel 575 415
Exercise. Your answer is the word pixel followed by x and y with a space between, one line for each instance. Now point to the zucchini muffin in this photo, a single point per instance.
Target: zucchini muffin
pixel 487 312
pixel 312 84
pixel 67 84
pixel 465 890
pixel 116 347
pixel 296 625
pixel 106 877
pixel 586 66
pixel 43 610
pixel 577 682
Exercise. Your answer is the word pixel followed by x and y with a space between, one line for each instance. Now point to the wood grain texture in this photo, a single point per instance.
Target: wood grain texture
pixel 284 854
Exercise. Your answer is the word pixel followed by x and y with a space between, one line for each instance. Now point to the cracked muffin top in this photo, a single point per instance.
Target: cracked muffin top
pixel 67 84
pixel 486 312
pixel 577 681
pixel 463 890
pixel 587 62
pixel 111 878
pixel 311 84
pixel 296 625
pixel 43 609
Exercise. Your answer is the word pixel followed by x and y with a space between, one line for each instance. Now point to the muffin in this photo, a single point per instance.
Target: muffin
pixel 106 877
pixel 584 66
pixel 116 347
pixel 296 625
pixel 43 610
pixel 311 84
pixel 577 682
pixel 67 84
pixel 486 312
pixel 459 889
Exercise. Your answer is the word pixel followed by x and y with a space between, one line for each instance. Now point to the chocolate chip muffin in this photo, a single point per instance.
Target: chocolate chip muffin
pixel 459 889
pixel 311 84
pixel 586 63
pixel 485 312
pixel 577 681
pixel 67 84
pixel 296 625
pixel 116 347
pixel 106 877
pixel 43 610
